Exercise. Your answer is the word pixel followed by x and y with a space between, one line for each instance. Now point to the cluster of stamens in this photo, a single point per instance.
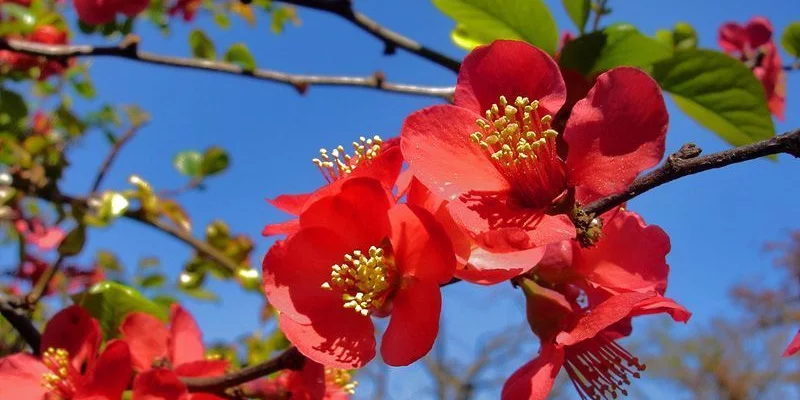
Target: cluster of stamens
pixel 362 279
pixel 341 378
pixel 59 380
pixel 522 146
pixel 600 368
pixel 337 163
pixel 513 133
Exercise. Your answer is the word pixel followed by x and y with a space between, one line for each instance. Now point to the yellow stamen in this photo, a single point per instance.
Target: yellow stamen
pixel 362 279
pixel 341 378
pixel 336 163
pixel 57 381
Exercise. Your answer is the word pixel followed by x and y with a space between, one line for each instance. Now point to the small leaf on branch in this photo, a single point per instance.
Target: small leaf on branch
pixel 73 243
pixel 202 46
pixel 578 11
pixel 215 160
pixel 188 163
pixel 110 302
pixel 240 55
pixel 791 39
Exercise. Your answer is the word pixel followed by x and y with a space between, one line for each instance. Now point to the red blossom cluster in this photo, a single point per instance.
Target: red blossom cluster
pixel 754 45
pixel 47 34
pixel 98 12
pixel 492 193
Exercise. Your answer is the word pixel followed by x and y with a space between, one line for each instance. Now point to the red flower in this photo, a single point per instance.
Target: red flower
pixel 497 160
pixel 630 256
pixel 313 382
pixel 357 255
pixel 98 12
pixel 33 270
pixel 372 158
pixel 36 233
pixel 163 354
pixel 186 7
pixel 794 346
pixel 69 368
pixel 753 44
pixel 583 342
pixel 46 34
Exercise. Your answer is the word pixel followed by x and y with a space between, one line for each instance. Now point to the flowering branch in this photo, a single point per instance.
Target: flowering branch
pixel 391 40
pixel 289 359
pixel 53 195
pixel 128 49
pixel 686 162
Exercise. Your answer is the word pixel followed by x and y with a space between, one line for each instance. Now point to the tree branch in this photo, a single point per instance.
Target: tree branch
pixel 128 49
pixel 686 162
pixel 112 155
pixel 391 40
pixel 13 310
pixel 52 195
pixel 41 287
pixel 289 359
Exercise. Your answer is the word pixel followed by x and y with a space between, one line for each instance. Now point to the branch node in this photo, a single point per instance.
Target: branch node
pixel 389 48
pixel 130 44
pixel 379 78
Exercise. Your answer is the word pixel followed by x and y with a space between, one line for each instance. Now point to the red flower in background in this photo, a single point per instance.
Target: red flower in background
pixel 313 382
pixel 69 368
pixel 45 34
pixel 355 255
pixel 35 232
pixel 794 346
pixel 98 12
pixel 371 158
pixel 71 278
pixel 186 7
pixel 163 354
pixel 496 158
pixel 583 342
pixel 753 44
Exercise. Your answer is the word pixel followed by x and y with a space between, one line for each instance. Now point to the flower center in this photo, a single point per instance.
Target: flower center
pixel 336 163
pixel 60 381
pixel 363 280
pixel 600 368
pixel 341 378
pixel 522 146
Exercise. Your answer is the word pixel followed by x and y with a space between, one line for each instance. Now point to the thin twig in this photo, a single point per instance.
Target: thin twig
pixel 14 311
pixel 795 66
pixel 41 286
pixel 599 12
pixel 289 359
pixel 128 49
pixel 686 162
pixel 112 155
pixel 391 40
pixel 192 185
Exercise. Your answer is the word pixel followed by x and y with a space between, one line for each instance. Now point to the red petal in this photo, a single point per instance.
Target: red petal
pixel 534 380
pixel 295 270
pixel 110 375
pixel 487 268
pixel 290 203
pixel 658 305
pixel 282 228
pixel 202 368
pixel 791 349
pixel 421 247
pixel 500 228
pixel 147 338
pixel 185 339
pixel 75 331
pixel 308 383
pixel 159 384
pixel 343 340
pixel 204 396
pixel 357 212
pixel 759 31
pixel 601 317
pixel 436 144
pixel 21 377
pixel 630 256
pixel 615 133
pixel 509 68
pixel 732 37
pixel 414 323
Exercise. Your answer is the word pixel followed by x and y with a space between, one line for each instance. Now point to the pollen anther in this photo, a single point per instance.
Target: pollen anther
pixel 362 279
pixel 336 163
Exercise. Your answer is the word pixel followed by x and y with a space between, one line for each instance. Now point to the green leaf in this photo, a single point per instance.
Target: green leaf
pixel 615 46
pixel 280 17
pixel 202 294
pixel 22 16
pixel 83 87
pixel 108 261
pixel 35 144
pixel 578 11
pixel 482 21
pixel 13 111
pixel 240 55
pixel 202 46
pixel 791 39
pixel 188 163
pixel 684 36
pixel 73 243
pixel 152 281
pixel 215 160
pixel 110 302
pixel 718 91
pixel 222 20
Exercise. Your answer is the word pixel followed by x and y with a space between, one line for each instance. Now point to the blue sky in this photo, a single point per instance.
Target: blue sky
pixel 717 220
